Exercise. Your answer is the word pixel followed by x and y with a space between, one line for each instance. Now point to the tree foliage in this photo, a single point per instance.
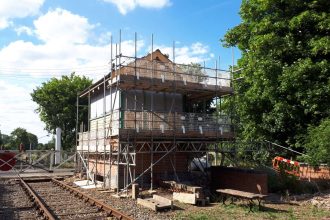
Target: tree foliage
pixel 196 73
pixel 1 139
pixel 5 140
pixel 47 146
pixel 285 86
pixel 20 135
pixel 195 70
pixel 318 143
pixel 57 105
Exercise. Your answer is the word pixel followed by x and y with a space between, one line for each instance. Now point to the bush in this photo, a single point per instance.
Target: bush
pixel 282 183
pixel 318 144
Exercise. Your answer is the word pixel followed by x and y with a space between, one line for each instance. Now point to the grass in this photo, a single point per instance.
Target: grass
pixel 241 211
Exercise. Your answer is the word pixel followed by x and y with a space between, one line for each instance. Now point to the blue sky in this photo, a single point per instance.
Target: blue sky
pixel 40 39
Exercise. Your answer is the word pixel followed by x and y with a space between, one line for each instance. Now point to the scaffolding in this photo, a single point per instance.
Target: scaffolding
pixel 142 117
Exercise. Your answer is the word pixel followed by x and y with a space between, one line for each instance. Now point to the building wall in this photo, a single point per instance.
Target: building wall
pixel 163 169
pixel 145 100
pixel 97 102
pixel 97 121
pixel 102 168
pixel 314 173
pixel 162 101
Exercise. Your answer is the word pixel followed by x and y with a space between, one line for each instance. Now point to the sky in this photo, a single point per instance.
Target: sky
pixel 41 39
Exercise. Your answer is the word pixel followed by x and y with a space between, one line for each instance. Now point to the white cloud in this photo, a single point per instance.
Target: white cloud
pixel 23 30
pixel 10 9
pixel 124 6
pixel 104 37
pixel 62 26
pixel 64 48
pixel 199 48
pixel 195 53
pixel 18 110
pixel 57 54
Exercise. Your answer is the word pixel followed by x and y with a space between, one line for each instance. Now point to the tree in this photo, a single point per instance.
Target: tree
pixel 318 143
pixel 196 74
pixel 285 81
pixel 5 140
pixel 48 146
pixel 20 135
pixel 195 70
pixel 1 139
pixel 57 105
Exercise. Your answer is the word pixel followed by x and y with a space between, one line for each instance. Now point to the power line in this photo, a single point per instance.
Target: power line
pixel 40 73
pixel 23 72
pixel 49 69
pixel 36 75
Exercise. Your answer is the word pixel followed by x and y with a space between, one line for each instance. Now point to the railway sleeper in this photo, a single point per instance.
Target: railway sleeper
pixel 59 214
pixel 75 212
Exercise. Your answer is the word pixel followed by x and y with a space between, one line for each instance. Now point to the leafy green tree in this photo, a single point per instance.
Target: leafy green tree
pixel 284 86
pixel 5 140
pixel 48 146
pixel 195 70
pixel 196 74
pixel 20 135
pixel 57 105
pixel 318 143
pixel 1 139
pixel 33 139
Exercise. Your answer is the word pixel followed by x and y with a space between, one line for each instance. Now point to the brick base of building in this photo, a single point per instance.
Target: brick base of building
pixel 168 168
pixel 314 173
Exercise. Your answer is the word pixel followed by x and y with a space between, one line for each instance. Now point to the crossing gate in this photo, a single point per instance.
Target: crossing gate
pixel 7 160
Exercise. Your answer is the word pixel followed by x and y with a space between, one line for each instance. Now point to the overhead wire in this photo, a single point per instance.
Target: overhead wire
pixel 22 72
pixel 43 75
pixel 43 69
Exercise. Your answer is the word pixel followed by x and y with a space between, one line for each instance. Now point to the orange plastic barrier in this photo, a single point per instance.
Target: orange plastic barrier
pixel 288 166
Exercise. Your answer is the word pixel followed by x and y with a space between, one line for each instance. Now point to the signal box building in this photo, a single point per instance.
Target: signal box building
pixel 148 118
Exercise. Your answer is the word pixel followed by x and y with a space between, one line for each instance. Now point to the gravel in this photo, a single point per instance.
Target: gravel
pixel 64 204
pixel 14 202
pixel 130 207
pixel 320 200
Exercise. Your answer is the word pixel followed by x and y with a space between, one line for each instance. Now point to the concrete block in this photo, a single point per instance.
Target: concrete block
pixel 146 203
pixel 152 192
pixel 189 198
pixel 163 200
pixel 156 203
pixel 195 189
pixel 135 191
pixel 120 196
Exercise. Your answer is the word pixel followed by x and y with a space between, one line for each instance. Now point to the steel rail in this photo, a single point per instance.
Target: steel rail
pixel 102 206
pixel 37 201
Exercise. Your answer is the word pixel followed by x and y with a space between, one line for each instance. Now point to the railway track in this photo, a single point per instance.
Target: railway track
pixel 56 200
pixel 14 204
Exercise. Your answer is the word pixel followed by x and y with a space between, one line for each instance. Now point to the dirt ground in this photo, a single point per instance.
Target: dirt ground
pixel 307 206
pixel 240 210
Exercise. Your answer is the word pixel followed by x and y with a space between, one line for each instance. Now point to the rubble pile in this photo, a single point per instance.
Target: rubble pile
pixel 321 200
